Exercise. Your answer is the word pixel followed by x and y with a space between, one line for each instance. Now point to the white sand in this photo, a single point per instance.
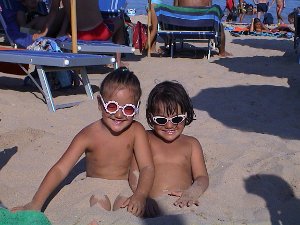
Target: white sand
pixel 248 122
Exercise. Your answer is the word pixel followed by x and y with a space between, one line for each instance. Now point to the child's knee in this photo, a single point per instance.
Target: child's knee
pixel 102 201
pixel 119 202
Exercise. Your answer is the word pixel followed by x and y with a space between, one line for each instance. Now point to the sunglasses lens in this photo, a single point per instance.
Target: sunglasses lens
pixel 161 121
pixel 128 110
pixel 112 107
pixel 177 119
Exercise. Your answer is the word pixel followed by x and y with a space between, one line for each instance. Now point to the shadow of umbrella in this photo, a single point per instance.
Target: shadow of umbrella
pixel 283 206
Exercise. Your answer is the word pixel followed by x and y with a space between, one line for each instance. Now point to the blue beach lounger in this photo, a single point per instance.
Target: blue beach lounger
pixel 55 61
pixel 179 24
pixel 16 38
pixel 109 9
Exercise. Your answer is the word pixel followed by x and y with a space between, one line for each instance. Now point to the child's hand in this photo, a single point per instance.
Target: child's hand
pixel 135 204
pixel 28 206
pixel 186 198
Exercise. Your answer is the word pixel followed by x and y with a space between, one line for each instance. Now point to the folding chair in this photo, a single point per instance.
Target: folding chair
pixel 179 24
pixel 54 61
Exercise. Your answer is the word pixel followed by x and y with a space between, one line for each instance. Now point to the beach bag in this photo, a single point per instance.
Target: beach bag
pixel 58 79
pixel 268 19
pixel 139 38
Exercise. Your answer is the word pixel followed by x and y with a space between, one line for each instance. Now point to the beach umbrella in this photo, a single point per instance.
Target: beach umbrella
pixel 74 26
pixel 149 24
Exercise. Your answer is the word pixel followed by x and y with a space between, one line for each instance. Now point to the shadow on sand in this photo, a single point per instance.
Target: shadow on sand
pixel 279 44
pixel 6 155
pixel 280 200
pixel 162 220
pixel 266 109
pixel 263 109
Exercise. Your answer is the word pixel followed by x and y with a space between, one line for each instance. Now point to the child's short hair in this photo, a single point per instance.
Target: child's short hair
pixel 119 79
pixel 169 94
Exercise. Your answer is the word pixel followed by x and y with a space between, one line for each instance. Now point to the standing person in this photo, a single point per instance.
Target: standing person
pixel 262 6
pixel 154 25
pixel 242 10
pixel 230 5
pixel 201 3
pixel 109 145
pixel 180 172
pixel 280 5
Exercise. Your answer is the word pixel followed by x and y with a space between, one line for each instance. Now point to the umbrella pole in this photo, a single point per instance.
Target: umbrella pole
pixel 149 24
pixel 74 26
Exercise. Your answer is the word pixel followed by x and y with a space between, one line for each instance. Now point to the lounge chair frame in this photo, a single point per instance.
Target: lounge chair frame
pixel 94 47
pixel 111 8
pixel 55 61
pixel 202 27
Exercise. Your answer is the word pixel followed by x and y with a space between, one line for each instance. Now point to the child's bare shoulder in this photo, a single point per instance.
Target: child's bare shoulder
pixel 137 126
pixel 91 129
pixel 190 139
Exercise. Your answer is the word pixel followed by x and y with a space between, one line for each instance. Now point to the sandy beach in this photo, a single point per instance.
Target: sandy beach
pixel 247 119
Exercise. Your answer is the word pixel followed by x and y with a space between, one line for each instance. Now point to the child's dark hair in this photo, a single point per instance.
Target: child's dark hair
pixel 170 95
pixel 256 20
pixel 121 78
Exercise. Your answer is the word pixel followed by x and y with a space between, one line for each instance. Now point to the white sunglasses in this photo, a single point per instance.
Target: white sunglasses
pixel 112 107
pixel 161 120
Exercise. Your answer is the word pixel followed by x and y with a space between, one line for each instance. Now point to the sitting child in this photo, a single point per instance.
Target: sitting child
pixel 180 172
pixel 258 26
pixel 108 145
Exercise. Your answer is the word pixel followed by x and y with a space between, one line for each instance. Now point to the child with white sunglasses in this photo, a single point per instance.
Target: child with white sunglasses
pixel 180 171
pixel 109 145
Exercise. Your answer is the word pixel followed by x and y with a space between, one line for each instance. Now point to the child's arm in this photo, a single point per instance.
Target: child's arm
pixel 136 203
pixel 134 173
pixel 56 174
pixel 252 25
pixel 191 195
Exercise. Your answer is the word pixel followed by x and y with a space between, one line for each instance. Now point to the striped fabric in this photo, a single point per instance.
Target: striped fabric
pixel 181 18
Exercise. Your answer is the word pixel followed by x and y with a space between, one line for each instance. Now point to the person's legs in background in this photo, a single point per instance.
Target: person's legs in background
pixel 153 29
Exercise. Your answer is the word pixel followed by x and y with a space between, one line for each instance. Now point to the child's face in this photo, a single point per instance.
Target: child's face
pixel 258 26
pixel 118 109
pixel 168 127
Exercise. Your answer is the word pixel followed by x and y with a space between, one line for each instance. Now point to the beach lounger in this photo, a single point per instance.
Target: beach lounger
pixel 182 24
pixel 103 47
pixel 22 40
pixel 109 9
pixel 54 61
